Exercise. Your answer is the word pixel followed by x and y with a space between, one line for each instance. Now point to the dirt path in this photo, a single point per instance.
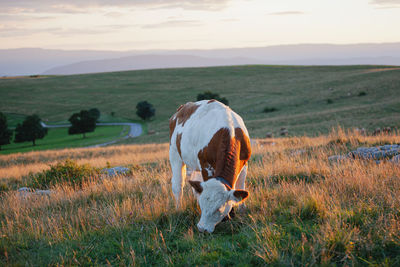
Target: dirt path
pixel 134 131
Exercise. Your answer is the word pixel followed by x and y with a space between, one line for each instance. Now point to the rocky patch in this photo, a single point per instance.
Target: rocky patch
pixel 116 171
pixel 387 152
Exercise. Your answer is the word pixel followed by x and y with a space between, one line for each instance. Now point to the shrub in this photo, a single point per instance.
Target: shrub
pixel 145 110
pixel 329 101
pixel 362 93
pixel 67 172
pixel 339 246
pixel 3 188
pixel 208 95
pixel 311 210
pixel 268 109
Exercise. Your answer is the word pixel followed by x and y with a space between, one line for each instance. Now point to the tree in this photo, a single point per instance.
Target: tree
pixel 82 123
pixel 5 133
pixel 30 130
pixel 145 110
pixel 94 112
pixel 207 95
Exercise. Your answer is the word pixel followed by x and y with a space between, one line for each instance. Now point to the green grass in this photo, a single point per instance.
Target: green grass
pixel 299 93
pixel 58 138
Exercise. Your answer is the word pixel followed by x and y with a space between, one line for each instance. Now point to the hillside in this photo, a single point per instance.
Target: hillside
pixel 32 61
pixel 302 209
pixel 309 100
pixel 142 62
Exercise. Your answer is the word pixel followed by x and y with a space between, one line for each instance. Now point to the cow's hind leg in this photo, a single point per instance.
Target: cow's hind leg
pixel 178 176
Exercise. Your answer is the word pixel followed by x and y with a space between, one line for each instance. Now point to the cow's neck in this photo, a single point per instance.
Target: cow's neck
pixel 224 182
pixel 228 165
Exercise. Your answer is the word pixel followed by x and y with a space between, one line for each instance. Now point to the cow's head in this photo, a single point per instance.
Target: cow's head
pixel 216 201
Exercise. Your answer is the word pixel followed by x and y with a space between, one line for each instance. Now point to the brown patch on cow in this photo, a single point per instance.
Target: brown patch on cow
pixel 172 125
pixel 211 101
pixel 241 194
pixel 182 114
pixel 197 186
pixel 185 112
pixel 245 148
pixel 226 155
pixel 178 143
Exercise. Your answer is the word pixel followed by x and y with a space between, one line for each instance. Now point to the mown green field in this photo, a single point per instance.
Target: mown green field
pixel 58 138
pixel 310 100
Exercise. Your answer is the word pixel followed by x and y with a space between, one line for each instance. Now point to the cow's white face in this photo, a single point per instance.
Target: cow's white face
pixel 215 201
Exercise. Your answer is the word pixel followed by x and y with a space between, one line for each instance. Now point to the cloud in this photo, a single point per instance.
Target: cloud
pixel 173 23
pixel 285 13
pixel 230 20
pixel 386 3
pixel 7 31
pixel 79 6
pixel 23 17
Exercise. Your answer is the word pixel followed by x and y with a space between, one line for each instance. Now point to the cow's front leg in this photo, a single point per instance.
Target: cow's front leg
pixel 178 176
pixel 240 184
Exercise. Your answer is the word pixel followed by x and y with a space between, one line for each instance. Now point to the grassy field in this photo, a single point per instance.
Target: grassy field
pixel 58 138
pixel 303 210
pixel 310 100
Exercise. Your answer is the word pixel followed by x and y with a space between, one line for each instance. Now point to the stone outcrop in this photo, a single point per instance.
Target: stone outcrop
pixel 389 153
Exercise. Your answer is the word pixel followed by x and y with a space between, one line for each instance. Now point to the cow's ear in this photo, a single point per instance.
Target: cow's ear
pixel 239 195
pixel 197 186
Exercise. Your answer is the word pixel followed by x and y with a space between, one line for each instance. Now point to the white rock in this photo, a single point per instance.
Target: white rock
pixel 338 158
pixel 43 192
pixel 395 159
pixel 24 189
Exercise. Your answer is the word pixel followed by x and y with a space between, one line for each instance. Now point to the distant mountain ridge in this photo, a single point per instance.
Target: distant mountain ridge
pixel 27 61
pixel 143 62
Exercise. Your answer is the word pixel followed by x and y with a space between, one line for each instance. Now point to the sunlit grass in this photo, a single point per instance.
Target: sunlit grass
pixel 302 210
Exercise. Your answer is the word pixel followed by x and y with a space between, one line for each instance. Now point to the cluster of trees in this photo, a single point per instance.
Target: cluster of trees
pixel 32 129
pixel 5 133
pixel 84 121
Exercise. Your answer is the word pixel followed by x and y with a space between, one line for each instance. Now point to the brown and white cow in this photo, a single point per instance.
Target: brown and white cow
pixel 212 140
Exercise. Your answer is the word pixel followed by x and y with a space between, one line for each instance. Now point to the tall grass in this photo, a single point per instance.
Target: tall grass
pixel 302 210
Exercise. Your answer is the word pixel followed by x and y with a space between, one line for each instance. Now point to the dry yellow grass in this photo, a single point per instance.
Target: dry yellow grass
pixel 302 209
pixel 21 164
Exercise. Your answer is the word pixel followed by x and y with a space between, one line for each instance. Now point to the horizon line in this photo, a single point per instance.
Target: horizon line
pixel 203 49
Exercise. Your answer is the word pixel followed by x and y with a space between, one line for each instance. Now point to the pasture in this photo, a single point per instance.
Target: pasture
pixel 302 210
pixel 58 138
pixel 307 100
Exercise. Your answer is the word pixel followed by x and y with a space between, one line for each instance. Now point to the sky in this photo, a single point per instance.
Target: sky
pixel 194 24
